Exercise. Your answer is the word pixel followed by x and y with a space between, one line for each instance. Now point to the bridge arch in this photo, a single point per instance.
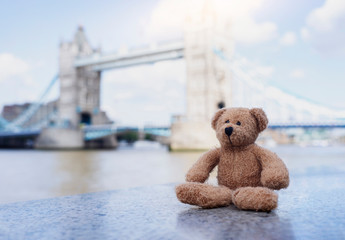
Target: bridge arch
pixel 85 118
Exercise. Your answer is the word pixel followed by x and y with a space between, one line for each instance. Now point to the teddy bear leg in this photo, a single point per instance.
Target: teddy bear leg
pixel 204 195
pixel 255 198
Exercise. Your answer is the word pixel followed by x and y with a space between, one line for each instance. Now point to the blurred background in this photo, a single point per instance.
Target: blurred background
pixel 129 88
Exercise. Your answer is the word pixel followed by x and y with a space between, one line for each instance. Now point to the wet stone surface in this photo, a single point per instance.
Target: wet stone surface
pixel 311 208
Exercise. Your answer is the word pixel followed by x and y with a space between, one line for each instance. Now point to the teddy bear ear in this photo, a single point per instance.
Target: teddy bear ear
pixel 216 117
pixel 261 118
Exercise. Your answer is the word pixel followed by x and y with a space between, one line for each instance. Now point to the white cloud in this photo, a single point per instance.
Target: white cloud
pixel 248 31
pixel 297 73
pixel 245 28
pixel 305 34
pixel 325 28
pixel 169 17
pixel 20 81
pixel 154 108
pixel 16 79
pixel 123 96
pixel 145 76
pixel 327 17
pixel 255 69
pixel 265 71
pixel 288 39
pixel 11 66
pixel 156 92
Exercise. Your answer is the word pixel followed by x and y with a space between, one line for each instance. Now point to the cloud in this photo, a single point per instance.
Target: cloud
pixel 297 73
pixel 16 79
pixel 20 81
pixel 325 28
pixel 123 96
pixel 305 34
pixel 288 39
pixel 254 69
pixel 154 108
pixel 169 17
pixel 327 17
pixel 156 92
pixel 246 30
pixel 11 66
pixel 265 71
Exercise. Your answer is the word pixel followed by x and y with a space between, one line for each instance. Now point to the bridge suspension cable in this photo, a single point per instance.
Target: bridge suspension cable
pixel 18 122
pixel 3 122
pixel 251 90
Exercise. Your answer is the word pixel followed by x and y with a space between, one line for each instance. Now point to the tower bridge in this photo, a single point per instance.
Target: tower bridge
pixel 216 78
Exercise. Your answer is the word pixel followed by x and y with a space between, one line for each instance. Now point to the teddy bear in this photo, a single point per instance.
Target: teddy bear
pixel 247 173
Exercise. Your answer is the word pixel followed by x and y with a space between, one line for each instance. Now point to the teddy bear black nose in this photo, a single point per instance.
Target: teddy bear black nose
pixel 228 131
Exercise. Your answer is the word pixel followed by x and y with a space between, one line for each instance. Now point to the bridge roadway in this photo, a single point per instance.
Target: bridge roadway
pixel 94 132
pixel 99 131
pixel 151 55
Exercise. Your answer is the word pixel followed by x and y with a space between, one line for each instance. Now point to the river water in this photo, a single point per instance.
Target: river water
pixel 33 174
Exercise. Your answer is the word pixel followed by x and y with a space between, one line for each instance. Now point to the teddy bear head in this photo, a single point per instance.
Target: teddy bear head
pixel 238 127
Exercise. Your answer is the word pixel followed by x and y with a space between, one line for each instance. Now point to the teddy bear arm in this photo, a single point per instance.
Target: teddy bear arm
pixel 274 173
pixel 200 171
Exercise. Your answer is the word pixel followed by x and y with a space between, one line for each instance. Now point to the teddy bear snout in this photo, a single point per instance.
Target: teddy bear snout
pixel 228 131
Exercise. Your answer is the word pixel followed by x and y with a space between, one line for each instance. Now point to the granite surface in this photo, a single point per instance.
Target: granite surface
pixel 311 208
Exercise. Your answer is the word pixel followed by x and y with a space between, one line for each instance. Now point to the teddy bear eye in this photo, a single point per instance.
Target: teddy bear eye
pixel 238 123
pixel 227 121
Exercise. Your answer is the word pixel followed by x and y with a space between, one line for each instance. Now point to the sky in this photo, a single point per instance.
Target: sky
pixel 298 46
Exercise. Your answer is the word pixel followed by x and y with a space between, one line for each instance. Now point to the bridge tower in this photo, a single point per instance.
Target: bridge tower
pixel 208 83
pixel 79 101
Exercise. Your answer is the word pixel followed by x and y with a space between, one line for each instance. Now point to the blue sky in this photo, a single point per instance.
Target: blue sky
pixel 297 45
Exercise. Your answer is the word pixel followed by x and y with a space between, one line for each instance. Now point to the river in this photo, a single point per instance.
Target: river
pixel 33 174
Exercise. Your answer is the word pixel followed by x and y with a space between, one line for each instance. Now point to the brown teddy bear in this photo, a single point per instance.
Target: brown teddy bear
pixel 247 173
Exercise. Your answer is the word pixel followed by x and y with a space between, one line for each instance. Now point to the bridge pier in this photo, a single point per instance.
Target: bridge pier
pixel 189 136
pixel 60 138
pixel 108 142
pixel 65 138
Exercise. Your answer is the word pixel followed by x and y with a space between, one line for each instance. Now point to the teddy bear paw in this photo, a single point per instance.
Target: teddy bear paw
pixel 255 198
pixel 204 195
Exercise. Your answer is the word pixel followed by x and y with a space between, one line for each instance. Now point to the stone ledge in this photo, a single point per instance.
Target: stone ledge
pixel 154 213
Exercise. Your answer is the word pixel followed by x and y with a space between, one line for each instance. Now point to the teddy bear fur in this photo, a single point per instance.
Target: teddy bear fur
pixel 247 173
